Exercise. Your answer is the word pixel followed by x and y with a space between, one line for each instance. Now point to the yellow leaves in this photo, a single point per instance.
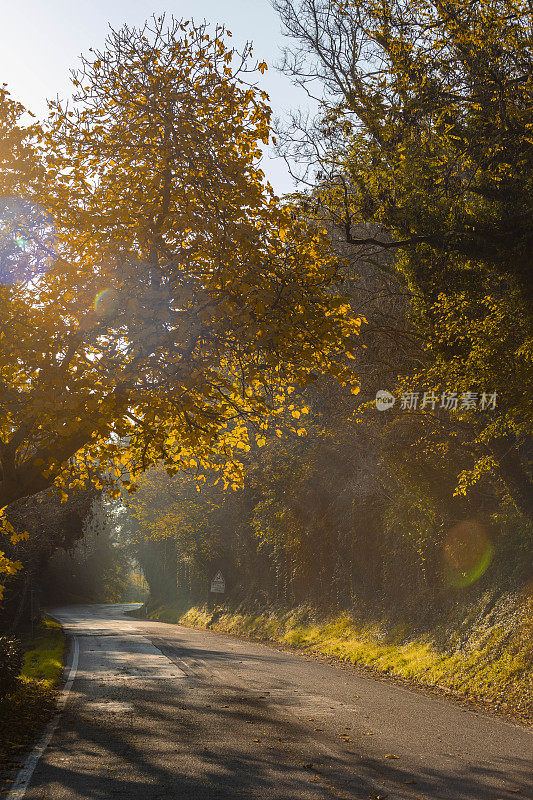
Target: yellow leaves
pixel 8 567
pixel 8 530
pixel 262 67
pixel 242 290
pixel 19 537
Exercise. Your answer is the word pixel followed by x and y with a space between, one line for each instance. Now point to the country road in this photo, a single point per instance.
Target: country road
pixel 161 711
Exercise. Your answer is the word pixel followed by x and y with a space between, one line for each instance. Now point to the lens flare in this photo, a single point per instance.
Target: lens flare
pixel 468 553
pixel 106 303
pixel 27 240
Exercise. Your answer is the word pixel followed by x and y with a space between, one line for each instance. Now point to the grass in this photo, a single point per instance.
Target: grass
pixel 43 658
pixel 25 711
pixel 482 656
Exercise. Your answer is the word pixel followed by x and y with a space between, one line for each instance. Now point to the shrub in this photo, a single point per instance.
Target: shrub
pixel 11 661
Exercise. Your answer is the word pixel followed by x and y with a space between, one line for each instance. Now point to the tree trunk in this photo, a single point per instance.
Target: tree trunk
pixel 159 560
pixel 513 473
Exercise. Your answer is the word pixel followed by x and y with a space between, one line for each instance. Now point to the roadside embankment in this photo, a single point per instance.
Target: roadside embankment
pixel 485 655
pixel 25 710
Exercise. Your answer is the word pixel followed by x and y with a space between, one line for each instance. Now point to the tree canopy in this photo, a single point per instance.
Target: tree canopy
pixel 159 302
pixel 167 314
pixel 423 155
pixel 172 293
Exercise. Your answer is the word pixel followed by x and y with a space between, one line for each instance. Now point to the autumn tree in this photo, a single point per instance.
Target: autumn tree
pixel 174 295
pixel 422 151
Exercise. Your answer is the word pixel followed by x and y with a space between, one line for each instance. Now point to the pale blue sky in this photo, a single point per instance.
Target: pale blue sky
pixel 40 40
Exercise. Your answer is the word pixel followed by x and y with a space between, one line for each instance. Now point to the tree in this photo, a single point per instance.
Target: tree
pixel 178 295
pixel 160 523
pixel 426 154
pixel 41 526
pixel 96 567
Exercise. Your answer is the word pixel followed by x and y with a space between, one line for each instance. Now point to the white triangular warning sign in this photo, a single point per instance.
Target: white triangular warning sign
pixel 218 584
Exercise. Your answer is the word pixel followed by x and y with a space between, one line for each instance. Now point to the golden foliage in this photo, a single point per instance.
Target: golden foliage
pixel 176 297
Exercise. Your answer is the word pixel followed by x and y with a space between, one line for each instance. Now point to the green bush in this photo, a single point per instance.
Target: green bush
pixel 11 661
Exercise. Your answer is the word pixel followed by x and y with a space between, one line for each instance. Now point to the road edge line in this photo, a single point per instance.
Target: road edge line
pixel 24 775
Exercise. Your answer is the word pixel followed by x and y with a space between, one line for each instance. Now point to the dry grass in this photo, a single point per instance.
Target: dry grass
pixel 24 712
pixel 487 657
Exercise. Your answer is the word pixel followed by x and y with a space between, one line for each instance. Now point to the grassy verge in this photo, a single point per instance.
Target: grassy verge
pixel 25 711
pixel 484 655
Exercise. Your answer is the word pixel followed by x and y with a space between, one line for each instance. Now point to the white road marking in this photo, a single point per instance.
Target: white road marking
pixel 117 658
pixel 111 707
pixel 122 657
pixel 24 776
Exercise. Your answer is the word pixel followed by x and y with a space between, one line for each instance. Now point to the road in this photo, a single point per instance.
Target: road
pixel 162 711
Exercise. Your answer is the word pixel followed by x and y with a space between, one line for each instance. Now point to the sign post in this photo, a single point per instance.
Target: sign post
pixel 218 587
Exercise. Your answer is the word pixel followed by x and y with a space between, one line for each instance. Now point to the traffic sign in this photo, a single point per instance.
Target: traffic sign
pixel 218 584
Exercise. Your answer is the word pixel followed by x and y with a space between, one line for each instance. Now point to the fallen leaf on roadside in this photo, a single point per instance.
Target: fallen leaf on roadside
pixel 389 755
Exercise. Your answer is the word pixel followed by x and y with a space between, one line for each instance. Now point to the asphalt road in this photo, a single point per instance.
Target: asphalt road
pixel 161 711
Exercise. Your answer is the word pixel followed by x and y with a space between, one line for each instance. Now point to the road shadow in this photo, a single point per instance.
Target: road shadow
pixel 211 742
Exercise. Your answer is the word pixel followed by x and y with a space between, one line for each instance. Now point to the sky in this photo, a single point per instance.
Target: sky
pixel 41 40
